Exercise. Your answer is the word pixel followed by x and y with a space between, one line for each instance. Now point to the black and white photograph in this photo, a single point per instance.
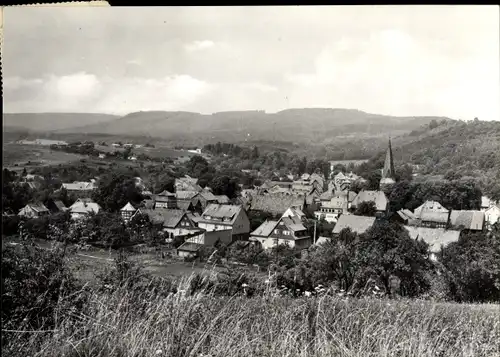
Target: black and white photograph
pixel 237 181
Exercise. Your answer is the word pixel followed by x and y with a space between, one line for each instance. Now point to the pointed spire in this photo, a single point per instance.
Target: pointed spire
pixel 389 171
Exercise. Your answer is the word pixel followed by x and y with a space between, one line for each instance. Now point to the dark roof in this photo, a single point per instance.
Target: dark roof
pixel 357 224
pixel 293 223
pixel 60 205
pixel 166 193
pixel 218 211
pixel 276 203
pixel 168 217
pixel 184 205
pixel 473 220
pixel 185 195
pixel 190 247
pixel 439 217
pixel 38 207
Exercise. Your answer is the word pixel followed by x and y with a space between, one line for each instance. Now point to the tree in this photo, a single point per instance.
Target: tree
pixel 433 124
pixel 472 267
pixel 115 190
pixel 224 185
pixel 386 251
pixel 366 208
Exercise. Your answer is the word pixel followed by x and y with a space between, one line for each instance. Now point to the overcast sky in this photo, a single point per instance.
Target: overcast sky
pixel 398 60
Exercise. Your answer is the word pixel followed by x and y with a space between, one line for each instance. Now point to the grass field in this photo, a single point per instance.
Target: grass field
pixel 119 324
pixel 37 155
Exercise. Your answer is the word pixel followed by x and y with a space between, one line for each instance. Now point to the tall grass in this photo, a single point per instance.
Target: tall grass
pixel 125 323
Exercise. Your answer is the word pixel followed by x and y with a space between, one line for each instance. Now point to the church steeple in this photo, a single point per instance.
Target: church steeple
pixel 388 171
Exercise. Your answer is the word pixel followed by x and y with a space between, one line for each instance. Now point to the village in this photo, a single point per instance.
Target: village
pixel 201 219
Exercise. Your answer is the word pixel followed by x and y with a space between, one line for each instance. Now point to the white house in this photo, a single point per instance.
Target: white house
pixel 286 231
pixel 217 217
pixel 492 215
pixel 83 207
pixel 34 210
pixel 127 212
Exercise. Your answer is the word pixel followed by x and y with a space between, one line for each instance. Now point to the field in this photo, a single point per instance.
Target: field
pixel 34 155
pixel 122 324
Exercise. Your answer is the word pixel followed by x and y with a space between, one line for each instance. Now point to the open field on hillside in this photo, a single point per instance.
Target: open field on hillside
pixel 34 155
pixel 120 323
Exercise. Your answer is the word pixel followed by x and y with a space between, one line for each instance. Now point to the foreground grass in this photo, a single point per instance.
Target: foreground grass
pixel 121 323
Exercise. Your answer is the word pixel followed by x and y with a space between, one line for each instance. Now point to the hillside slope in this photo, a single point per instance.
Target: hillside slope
pixel 293 125
pixel 51 121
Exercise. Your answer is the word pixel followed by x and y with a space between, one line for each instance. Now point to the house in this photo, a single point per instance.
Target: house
pixel 432 214
pixel 56 206
pixel 116 145
pixel 187 183
pixel 467 220
pixel 377 197
pixel 322 240
pixel 195 151
pixel 165 199
pixel 287 230
pixel 434 237
pixel 404 216
pixel 492 215
pixel 173 222
pixel 83 207
pixel 294 212
pixel 487 203
pixel 186 206
pixel 339 203
pixel 357 224
pixel 127 212
pixel 189 249
pixel 132 158
pixel 189 196
pixel 222 217
pixel 80 189
pixel 276 203
pixel 222 199
pixel 34 210
pixel 203 199
pixel 102 156
pixel 210 238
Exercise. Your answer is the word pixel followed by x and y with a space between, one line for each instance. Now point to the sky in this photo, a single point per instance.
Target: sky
pixel 394 60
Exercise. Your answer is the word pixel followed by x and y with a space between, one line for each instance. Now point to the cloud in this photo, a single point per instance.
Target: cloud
pixel 391 72
pixel 82 92
pixel 198 45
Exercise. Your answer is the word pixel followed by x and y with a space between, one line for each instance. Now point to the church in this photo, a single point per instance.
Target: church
pixel 388 172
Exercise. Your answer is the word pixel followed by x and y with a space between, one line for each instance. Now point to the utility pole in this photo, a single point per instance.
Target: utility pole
pixel 314 231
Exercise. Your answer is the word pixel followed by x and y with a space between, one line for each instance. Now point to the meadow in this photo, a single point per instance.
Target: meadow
pixel 34 155
pixel 128 322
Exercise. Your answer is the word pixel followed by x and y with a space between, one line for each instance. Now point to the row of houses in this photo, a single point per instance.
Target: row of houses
pixel 81 208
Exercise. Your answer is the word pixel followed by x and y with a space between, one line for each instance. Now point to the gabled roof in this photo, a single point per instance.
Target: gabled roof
pixel 207 195
pixel 190 247
pixel 215 210
pixel 222 199
pixel 37 207
pixel 322 240
pixel 166 194
pixel 60 205
pixel 169 218
pixel 184 205
pixel 473 220
pixel 438 217
pixel 430 206
pixel 378 197
pixel 186 195
pixel 79 186
pixel 295 212
pixel 276 203
pixel 293 223
pixel 128 208
pixel 265 229
pixel 83 206
pixel 357 224
pixel 326 196
pixel 435 237
pixel 193 216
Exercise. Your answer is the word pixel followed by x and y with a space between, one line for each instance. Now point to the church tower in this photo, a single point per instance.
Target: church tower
pixel 388 172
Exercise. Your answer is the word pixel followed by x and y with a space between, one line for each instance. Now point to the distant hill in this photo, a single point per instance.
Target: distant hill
pixel 51 121
pixel 292 125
